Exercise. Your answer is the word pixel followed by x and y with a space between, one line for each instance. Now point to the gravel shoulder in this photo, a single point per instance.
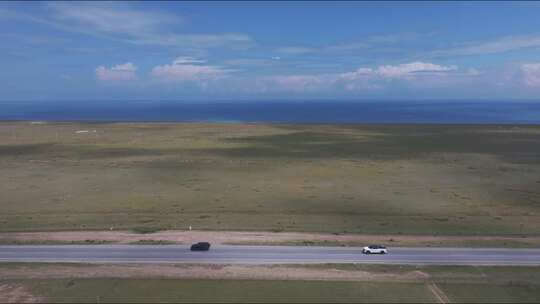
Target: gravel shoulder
pixel 243 272
pixel 264 238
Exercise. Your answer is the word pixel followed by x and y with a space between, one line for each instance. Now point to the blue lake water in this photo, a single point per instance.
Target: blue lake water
pixel 284 112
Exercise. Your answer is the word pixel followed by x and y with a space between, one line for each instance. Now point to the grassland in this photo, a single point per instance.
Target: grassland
pixel 361 179
pixel 450 283
pixel 213 291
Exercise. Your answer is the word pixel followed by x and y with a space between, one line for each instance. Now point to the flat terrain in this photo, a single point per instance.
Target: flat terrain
pixel 355 179
pixel 230 291
pixel 169 237
pixel 230 254
pixel 339 283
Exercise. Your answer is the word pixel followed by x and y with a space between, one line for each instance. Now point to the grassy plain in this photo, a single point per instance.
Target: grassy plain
pixel 362 179
pixel 378 283
pixel 228 291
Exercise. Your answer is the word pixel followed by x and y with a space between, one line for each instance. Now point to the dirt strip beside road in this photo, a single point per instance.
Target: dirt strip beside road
pixel 25 271
pixel 268 238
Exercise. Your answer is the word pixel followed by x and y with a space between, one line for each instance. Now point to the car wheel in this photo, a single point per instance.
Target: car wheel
pixel 383 252
pixel 368 252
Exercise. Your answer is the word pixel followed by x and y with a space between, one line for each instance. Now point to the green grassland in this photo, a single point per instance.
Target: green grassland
pixel 458 284
pixel 377 179
pixel 224 291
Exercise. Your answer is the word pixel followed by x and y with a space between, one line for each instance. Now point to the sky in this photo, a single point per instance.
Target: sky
pixel 269 50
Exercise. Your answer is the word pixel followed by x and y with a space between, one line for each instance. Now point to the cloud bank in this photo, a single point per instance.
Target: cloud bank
pixel 118 73
pixel 531 74
pixel 368 78
pixel 188 69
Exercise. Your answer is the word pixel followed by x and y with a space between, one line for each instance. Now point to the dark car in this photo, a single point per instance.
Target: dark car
pixel 201 246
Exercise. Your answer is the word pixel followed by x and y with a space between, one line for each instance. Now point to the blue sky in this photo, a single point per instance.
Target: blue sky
pixel 269 50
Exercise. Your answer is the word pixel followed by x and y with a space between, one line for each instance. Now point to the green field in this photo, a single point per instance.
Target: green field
pixel 376 179
pixel 455 284
pixel 228 291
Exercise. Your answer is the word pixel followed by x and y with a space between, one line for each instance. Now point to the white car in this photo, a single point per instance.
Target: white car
pixel 380 249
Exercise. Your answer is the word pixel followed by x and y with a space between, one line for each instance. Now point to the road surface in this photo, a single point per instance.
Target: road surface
pixel 228 254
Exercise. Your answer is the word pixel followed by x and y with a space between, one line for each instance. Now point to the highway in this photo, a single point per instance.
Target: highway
pixel 233 254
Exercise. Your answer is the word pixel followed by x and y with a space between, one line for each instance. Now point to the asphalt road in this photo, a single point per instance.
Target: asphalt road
pixel 225 254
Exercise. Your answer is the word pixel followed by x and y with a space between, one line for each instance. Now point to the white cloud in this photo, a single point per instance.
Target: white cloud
pixel 110 17
pixel 369 42
pixel 187 60
pixel 377 43
pixel 125 23
pixel 412 69
pixel 500 45
pixel 295 50
pixel 346 47
pixel 405 71
pixel 251 62
pixel 188 69
pixel 414 73
pixel 195 41
pixel 362 78
pixel 473 72
pixel 359 73
pixel 531 74
pixel 302 83
pixel 117 73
